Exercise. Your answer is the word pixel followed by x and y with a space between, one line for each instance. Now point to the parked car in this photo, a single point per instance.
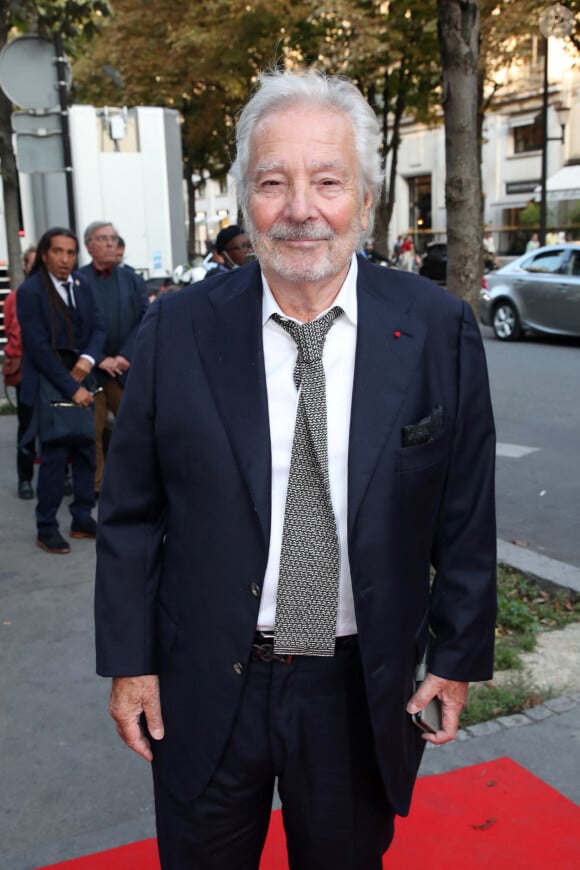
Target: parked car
pixel 434 262
pixel 540 290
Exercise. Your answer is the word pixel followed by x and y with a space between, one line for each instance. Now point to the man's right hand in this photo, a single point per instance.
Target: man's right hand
pixel 130 697
pixel 83 397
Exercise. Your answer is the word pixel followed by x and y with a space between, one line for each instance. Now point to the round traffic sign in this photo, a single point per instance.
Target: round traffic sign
pixel 28 74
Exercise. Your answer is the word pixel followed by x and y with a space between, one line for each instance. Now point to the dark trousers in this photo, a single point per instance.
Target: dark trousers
pixel 50 486
pixel 307 724
pixel 25 453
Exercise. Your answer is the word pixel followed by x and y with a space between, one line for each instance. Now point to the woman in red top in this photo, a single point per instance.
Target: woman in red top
pixel 12 370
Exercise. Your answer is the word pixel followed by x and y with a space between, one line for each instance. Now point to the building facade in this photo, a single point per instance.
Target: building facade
pixel 511 158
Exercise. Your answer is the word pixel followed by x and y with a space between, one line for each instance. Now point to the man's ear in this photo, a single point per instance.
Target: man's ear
pixel 366 205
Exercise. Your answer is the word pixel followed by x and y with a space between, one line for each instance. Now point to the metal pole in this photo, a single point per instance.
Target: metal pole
pixel 65 128
pixel 543 208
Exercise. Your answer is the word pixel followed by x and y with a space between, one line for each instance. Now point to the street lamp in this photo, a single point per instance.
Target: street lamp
pixel 557 21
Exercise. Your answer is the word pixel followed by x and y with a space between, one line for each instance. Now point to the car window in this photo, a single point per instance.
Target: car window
pixel 547 261
pixel 574 264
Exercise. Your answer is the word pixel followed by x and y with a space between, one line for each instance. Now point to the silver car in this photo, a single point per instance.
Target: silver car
pixel 540 291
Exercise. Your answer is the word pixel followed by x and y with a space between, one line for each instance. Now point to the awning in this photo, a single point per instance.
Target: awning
pixel 563 185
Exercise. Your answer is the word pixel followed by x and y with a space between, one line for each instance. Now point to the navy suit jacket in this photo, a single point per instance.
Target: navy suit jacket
pixel 34 316
pixel 185 511
pixel 133 300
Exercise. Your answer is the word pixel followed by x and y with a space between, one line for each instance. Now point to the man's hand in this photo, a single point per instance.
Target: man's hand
pixel 453 696
pixel 121 364
pixel 130 697
pixel 109 366
pixel 81 369
pixel 83 397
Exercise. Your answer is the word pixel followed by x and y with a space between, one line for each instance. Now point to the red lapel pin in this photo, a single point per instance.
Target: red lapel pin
pixel 397 333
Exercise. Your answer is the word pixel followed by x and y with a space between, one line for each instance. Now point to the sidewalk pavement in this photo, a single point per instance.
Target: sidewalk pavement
pixel 69 787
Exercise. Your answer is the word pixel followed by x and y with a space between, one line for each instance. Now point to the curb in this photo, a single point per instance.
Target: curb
pixel 538 566
pixel 533 716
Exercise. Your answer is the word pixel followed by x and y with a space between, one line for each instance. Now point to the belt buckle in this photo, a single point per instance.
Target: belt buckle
pixel 264 652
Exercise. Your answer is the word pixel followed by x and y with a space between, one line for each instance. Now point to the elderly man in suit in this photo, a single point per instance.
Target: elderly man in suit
pixel 61 327
pixel 122 298
pixel 299 504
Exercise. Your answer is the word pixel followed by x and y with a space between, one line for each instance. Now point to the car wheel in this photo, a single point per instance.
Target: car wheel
pixel 505 322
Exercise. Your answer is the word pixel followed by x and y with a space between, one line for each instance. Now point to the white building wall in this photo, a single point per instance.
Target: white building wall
pixel 509 180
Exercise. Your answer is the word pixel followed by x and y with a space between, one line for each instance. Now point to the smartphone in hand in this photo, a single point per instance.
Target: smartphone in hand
pixel 430 718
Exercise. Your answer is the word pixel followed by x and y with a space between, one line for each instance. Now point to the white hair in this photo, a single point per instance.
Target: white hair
pixel 279 90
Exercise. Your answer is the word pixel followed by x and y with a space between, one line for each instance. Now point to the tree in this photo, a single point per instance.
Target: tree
pixel 73 19
pixel 458 27
pixel 212 53
pixel 390 50
pixel 200 60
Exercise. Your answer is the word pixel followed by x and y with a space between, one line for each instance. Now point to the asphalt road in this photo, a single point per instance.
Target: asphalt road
pixel 535 386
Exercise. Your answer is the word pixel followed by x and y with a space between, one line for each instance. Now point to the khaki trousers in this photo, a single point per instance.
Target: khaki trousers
pixel 108 400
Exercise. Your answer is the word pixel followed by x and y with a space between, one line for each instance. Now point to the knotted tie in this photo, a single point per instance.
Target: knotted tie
pixel 307 597
pixel 69 299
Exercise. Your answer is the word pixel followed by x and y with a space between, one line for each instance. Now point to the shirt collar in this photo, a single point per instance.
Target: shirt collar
pixel 346 297
pixel 103 273
pixel 58 284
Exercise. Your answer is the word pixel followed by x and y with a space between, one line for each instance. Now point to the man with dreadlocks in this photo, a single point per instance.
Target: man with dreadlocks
pixel 63 337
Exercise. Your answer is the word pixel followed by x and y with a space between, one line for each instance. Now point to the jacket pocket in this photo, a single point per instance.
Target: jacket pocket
pixel 423 455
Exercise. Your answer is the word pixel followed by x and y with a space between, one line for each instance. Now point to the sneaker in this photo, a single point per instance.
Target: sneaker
pixel 88 529
pixel 52 542
pixel 25 489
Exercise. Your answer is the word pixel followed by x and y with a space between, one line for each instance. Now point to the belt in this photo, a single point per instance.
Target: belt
pixel 263 648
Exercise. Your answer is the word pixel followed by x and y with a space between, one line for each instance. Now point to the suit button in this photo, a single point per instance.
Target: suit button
pixel 255 590
pixel 238 668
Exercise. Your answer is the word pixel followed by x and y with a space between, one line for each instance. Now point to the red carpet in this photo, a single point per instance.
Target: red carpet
pixel 494 814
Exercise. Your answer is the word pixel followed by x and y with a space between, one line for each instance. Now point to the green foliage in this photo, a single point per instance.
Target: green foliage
pixel 575 220
pixel 530 215
pixel 72 18
pixel 487 701
pixel 525 608
pixel 506 658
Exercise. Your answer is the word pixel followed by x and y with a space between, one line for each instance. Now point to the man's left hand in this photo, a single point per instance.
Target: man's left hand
pixel 453 696
pixel 121 364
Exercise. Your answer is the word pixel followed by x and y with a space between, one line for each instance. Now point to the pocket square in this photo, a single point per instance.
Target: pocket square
pixel 425 430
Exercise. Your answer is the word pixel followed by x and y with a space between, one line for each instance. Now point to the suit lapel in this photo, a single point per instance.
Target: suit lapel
pixel 230 345
pixel 389 342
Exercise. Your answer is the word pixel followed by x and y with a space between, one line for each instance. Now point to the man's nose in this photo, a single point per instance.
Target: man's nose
pixel 300 203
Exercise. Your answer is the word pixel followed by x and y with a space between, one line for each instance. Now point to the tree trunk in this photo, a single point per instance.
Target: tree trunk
pixel 10 191
pixel 458 28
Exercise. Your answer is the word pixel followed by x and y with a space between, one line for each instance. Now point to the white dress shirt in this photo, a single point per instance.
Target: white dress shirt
pixel 280 352
pixel 58 286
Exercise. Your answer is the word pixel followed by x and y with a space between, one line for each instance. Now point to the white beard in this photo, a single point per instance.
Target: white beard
pixel 306 265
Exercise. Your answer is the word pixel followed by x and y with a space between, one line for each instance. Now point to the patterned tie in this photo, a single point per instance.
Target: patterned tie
pixel 307 597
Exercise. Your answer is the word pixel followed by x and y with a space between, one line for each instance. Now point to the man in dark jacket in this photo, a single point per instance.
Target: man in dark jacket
pixel 59 320
pixel 121 295
pixel 264 598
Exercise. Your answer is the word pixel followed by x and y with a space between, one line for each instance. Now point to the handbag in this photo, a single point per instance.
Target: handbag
pixel 61 423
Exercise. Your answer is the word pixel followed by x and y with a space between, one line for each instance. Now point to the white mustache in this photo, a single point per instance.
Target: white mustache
pixel 298 232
